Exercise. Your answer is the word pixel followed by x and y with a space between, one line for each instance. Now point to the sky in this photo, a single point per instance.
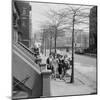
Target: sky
pixel 39 10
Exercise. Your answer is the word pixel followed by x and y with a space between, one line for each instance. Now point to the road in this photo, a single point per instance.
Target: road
pixel 86 65
pixel 85 60
pixel 86 70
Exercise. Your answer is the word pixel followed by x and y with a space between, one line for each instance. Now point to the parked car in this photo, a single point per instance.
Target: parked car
pixel 79 51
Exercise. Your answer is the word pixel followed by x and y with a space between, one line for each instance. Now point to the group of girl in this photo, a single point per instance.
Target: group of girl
pixel 58 64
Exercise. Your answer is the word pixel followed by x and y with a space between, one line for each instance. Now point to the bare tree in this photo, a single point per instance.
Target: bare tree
pixel 76 16
pixel 46 34
pixel 56 20
pixel 69 18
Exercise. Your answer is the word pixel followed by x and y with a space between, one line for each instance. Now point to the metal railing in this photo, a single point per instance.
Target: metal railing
pixel 31 54
pixel 26 48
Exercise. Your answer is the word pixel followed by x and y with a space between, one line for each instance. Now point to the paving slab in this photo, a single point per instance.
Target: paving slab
pixel 60 88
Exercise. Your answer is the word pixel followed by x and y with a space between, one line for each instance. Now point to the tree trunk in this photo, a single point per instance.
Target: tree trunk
pixel 72 74
pixel 55 38
pixel 45 45
pixel 50 43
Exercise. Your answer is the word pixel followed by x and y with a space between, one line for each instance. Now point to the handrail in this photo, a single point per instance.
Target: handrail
pixel 32 59
pixel 26 48
pixel 30 53
pixel 33 53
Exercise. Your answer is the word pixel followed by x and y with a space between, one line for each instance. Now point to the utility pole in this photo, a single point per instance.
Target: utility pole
pixel 72 74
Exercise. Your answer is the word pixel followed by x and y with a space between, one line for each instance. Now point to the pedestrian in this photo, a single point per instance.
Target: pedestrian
pixel 55 66
pixel 60 67
pixel 49 62
pixel 66 65
pixel 71 61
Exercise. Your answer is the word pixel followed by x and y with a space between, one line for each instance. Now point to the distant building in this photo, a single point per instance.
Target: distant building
pixel 93 28
pixel 21 18
pixel 82 40
pixel 63 42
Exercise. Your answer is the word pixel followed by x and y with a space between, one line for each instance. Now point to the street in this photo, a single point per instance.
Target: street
pixel 86 70
pixel 86 65
pixel 54 49
pixel 85 60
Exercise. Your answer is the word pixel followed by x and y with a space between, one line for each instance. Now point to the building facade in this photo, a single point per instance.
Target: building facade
pixel 82 40
pixel 93 29
pixel 22 21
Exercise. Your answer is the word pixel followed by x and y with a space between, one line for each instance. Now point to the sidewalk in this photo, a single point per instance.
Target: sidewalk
pixel 81 85
pixel 87 74
pixel 61 88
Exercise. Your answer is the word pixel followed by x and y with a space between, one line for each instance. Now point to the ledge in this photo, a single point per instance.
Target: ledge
pixel 46 72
